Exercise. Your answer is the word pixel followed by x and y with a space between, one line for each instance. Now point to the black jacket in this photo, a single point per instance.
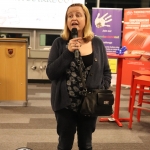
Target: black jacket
pixel 60 58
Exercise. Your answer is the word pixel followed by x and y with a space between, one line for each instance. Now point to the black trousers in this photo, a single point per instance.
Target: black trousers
pixel 68 122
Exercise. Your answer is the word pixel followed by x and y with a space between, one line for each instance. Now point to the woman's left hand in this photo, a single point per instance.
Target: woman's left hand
pixel 74 44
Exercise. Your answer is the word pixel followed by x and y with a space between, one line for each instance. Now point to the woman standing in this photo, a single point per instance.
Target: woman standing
pixel 63 72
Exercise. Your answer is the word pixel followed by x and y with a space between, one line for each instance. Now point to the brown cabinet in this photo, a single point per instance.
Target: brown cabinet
pixel 13 69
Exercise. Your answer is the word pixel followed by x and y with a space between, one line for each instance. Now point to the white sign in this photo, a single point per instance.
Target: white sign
pixel 37 14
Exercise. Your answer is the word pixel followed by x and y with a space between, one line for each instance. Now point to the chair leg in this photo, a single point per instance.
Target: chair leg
pixel 132 105
pixel 129 108
pixel 140 102
pixel 131 89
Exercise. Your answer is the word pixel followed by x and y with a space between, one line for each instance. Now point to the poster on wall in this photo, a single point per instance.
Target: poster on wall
pixel 106 24
pixel 136 37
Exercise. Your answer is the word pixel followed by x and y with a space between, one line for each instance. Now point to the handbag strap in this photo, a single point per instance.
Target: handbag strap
pixel 84 92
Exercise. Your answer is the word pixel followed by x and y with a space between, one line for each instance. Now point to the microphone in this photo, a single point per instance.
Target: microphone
pixel 74 34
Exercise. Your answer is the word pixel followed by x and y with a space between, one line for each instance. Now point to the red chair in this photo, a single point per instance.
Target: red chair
pixel 143 82
pixel 136 73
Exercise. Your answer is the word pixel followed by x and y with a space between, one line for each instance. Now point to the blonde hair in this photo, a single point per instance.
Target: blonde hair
pixel 87 33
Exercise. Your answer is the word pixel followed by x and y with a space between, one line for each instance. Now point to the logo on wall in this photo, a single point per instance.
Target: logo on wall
pixel 10 52
pixel 23 148
pixel 129 12
pixel 102 21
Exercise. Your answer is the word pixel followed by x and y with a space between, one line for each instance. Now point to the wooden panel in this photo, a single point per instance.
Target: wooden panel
pixel 14 76
pixel 2 74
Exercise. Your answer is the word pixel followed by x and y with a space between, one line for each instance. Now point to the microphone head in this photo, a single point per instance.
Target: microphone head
pixel 74 33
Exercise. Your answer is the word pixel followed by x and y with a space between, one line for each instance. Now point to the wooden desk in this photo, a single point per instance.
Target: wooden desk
pixel 115 116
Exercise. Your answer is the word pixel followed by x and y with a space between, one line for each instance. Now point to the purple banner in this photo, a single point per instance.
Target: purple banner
pixel 106 24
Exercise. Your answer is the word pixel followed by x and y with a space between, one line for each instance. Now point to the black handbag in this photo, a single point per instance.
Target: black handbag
pixel 96 102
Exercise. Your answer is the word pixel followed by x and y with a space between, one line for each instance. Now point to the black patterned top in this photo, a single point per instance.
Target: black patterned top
pixel 74 83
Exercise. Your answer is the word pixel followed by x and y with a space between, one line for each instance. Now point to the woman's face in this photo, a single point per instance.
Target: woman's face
pixel 76 19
